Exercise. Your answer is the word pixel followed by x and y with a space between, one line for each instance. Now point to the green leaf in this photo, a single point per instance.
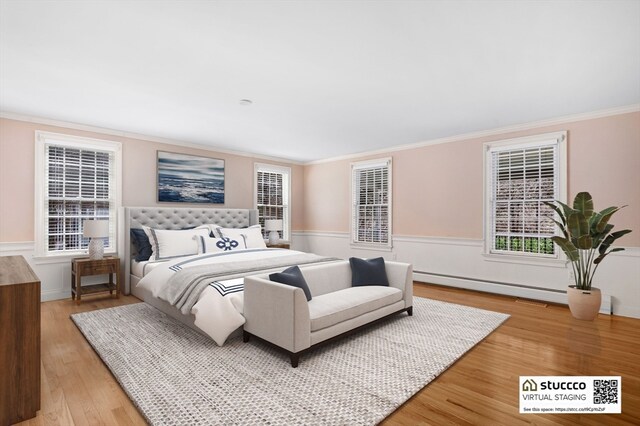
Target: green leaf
pixel 562 228
pixel 599 236
pixel 611 238
pixel 585 242
pixel 584 204
pixel 578 225
pixel 566 209
pixel 606 215
pixel 603 255
pixel 559 212
pixel 593 221
pixel 569 249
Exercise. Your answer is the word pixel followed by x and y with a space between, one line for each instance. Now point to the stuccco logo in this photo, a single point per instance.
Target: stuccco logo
pixel 549 385
pixel 530 385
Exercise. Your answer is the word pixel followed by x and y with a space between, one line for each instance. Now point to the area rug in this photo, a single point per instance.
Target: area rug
pixel 176 376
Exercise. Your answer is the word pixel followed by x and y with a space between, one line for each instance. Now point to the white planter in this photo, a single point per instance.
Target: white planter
pixel 584 304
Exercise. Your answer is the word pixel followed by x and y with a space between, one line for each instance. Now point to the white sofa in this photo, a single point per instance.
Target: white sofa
pixel 280 314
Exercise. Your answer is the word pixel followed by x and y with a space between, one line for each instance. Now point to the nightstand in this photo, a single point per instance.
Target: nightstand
pixel 279 245
pixel 83 267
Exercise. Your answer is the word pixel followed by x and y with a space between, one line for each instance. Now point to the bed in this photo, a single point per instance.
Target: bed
pixel 210 282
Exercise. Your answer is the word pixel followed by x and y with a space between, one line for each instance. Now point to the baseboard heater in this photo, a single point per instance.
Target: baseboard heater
pixel 507 289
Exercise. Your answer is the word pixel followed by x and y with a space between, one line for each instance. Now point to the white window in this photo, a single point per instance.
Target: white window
pixel 521 174
pixel 76 179
pixel 371 207
pixel 272 195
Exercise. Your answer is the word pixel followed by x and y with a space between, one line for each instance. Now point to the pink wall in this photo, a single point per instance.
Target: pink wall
pixel 438 189
pixel 17 144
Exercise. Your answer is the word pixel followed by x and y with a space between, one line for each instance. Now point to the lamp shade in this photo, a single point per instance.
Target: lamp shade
pixel 95 228
pixel 273 225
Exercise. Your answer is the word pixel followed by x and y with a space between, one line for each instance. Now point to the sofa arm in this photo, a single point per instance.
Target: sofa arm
pixel 277 313
pixel 400 276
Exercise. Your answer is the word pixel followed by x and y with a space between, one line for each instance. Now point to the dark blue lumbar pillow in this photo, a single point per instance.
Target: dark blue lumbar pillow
pixel 368 272
pixel 142 244
pixel 292 276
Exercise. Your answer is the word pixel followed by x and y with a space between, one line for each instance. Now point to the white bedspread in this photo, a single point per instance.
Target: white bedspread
pixel 140 269
pixel 218 311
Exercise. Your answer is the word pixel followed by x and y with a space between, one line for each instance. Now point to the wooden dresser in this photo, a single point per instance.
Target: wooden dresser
pixel 19 340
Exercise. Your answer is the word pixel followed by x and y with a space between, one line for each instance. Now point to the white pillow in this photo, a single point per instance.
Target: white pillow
pixel 252 235
pixel 168 243
pixel 213 228
pixel 216 245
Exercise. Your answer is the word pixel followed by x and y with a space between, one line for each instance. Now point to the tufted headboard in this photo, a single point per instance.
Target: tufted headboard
pixel 175 218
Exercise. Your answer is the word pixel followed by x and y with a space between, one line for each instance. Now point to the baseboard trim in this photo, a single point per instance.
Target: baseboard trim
pixel 506 289
pixel 491 282
pixel 47 296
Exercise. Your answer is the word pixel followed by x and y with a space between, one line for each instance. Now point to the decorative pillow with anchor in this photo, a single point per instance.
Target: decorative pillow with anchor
pixel 216 245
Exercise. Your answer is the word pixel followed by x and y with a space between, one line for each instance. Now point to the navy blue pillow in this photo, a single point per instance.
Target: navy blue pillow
pixel 292 276
pixel 141 243
pixel 368 272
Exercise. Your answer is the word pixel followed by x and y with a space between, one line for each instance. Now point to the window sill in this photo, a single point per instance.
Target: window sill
pixel 371 247
pixel 524 260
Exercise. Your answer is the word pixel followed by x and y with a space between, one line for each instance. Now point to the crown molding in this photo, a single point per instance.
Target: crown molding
pixel 484 133
pixel 130 135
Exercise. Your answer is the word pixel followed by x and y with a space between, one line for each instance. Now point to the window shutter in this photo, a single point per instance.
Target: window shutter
pixel 371 198
pixel 79 185
pixel 272 196
pixel 522 179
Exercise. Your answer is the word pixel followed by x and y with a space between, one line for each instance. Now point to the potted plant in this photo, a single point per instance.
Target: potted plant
pixel 586 240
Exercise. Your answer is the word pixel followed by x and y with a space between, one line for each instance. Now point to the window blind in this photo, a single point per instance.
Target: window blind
pixel 371 191
pixel 79 184
pixel 522 179
pixel 272 198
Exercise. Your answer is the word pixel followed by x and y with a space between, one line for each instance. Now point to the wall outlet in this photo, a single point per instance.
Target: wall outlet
pixel 572 276
pixel 394 256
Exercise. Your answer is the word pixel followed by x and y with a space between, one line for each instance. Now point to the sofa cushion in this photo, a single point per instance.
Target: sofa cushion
pixel 292 276
pixel 368 272
pixel 332 308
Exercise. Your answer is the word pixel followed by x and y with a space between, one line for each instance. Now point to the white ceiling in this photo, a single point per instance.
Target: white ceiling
pixel 326 78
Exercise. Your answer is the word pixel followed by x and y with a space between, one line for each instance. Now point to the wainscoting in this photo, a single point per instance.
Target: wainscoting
pixel 459 262
pixel 454 262
pixel 54 272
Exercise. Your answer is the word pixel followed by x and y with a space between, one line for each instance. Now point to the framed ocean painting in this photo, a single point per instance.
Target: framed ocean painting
pixel 186 178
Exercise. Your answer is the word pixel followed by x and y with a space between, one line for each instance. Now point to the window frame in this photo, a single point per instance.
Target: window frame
pixel 364 165
pixel 42 140
pixel 560 140
pixel 285 171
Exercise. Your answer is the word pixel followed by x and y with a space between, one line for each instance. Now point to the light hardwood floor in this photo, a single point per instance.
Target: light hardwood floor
pixel 480 389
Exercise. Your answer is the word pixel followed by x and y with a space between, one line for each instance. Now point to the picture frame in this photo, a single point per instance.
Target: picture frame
pixel 186 178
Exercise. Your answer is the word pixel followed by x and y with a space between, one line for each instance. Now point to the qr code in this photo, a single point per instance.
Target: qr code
pixel 605 391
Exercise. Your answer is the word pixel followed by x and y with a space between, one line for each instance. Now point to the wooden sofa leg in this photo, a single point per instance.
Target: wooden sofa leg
pixel 410 311
pixel 295 358
pixel 245 336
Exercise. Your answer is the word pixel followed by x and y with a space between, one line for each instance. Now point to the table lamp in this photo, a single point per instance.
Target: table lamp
pixel 273 226
pixel 96 230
